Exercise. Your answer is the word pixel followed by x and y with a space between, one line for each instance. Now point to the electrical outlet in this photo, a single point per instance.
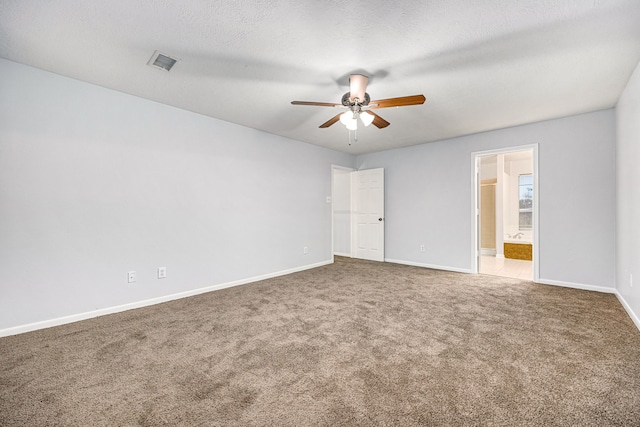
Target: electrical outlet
pixel 162 272
pixel 131 277
pixel 422 248
pixel 305 250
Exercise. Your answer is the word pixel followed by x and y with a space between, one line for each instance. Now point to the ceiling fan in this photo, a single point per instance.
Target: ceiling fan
pixel 358 102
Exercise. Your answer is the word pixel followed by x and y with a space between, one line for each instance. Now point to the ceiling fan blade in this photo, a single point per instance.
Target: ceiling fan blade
pixel 398 102
pixel 317 104
pixel 357 87
pixel 378 121
pixel 331 121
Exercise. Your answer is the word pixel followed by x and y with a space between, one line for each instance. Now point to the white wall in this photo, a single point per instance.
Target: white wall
pixel 628 195
pixel 429 198
pixel 94 183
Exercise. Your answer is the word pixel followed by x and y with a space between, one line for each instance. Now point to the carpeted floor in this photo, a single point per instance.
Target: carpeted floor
pixel 355 343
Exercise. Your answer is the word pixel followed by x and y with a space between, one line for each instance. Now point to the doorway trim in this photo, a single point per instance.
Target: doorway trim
pixel 475 189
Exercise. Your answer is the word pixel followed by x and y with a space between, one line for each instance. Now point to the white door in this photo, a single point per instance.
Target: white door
pixel 368 209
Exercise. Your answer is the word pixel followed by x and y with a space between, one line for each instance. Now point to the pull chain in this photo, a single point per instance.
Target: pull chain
pixel 355 137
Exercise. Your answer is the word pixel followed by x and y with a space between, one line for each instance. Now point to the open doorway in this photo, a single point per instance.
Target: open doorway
pixel 341 210
pixel 505 218
pixel 358 213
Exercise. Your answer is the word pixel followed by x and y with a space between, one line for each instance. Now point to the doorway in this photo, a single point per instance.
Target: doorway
pixel 358 213
pixel 341 210
pixel 505 213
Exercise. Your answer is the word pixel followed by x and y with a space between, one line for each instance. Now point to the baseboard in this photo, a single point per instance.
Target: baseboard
pixel 435 267
pixel 344 254
pixel 627 308
pixel 139 304
pixel 487 252
pixel 145 303
pixel 603 289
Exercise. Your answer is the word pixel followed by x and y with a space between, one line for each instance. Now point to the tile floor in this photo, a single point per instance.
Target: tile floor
pixel 506 267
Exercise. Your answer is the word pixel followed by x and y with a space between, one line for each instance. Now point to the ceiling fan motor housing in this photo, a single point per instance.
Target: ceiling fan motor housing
pixel 347 103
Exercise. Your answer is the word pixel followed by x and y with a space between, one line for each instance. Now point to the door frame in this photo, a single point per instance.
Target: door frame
pixel 475 191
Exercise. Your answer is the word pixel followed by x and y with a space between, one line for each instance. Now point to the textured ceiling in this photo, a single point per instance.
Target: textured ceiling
pixel 481 64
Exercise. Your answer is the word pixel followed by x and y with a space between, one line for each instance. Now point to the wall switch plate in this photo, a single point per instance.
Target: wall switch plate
pixel 305 250
pixel 162 272
pixel 422 248
pixel 131 277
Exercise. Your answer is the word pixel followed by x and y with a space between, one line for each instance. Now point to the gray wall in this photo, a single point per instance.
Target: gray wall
pixel 94 183
pixel 429 198
pixel 628 195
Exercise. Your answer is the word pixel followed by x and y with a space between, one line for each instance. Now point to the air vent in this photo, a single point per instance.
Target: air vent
pixel 162 61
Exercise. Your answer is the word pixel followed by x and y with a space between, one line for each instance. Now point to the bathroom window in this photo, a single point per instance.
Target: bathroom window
pixel 525 207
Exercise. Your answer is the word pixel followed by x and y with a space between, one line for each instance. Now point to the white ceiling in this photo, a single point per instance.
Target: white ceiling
pixel 482 65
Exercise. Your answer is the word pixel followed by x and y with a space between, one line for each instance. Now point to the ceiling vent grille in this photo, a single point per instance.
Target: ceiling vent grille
pixel 162 61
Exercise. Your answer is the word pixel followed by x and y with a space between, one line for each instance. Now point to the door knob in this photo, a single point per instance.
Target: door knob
pixel 379 219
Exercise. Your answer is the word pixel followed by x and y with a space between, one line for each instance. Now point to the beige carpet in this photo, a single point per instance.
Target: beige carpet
pixel 355 343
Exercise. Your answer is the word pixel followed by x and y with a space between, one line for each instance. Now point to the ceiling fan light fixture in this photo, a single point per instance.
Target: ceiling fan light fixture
pixel 358 101
pixel 366 117
pixel 346 117
pixel 349 119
